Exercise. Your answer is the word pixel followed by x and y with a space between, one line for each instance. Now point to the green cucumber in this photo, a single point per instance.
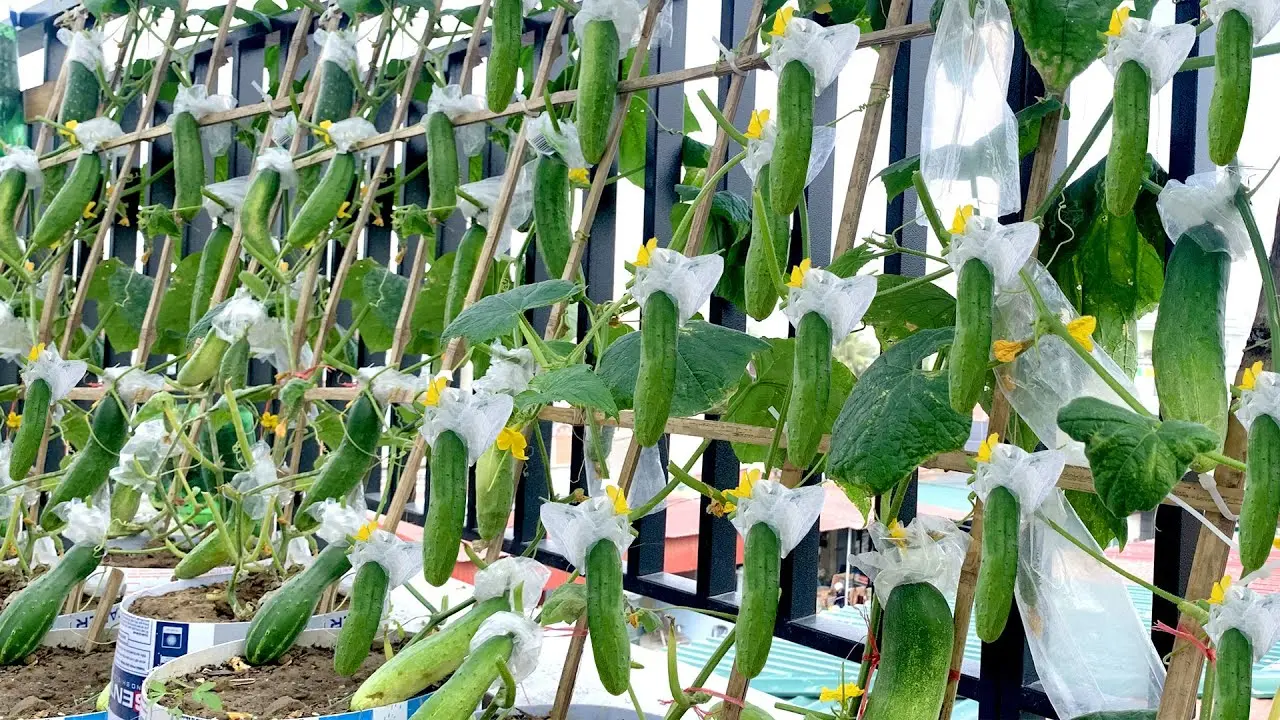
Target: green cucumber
pixel 90 467
pixel 495 491
pixel 211 257
pixel 82 94
pixel 810 389
pixel 336 96
pixel 125 501
pixel 188 165
pixel 442 166
pixel 349 463
pixel 790 163
pixel 457 699
pixel 656 378
pixel 915 655
pixel 204 361
pixel 26 442
pixel 446 509
pixel 323 204
pixel 13 186
pixel 552 197
pixel 368 596
pixel 233 369
pixel 211 552
pixel 999 569
pixel 426 662
pixel 1130 124
pixel 760 280
pixel 504 52
pixel 465 262
pixel 31 612
pixel 761 569
pixel 286 612
pixel 1232 80
pixel 1261 506
pixel 969 361
pixel 1233 681
pixel 68 205
pixel 255 216
pixel 606 617
pixel 597 87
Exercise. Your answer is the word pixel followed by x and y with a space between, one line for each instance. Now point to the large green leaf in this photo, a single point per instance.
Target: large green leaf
pixel 1097 519
pixel 122 296
pixel 709 362
pixel 499 314
pixel 904 312
pixel 727 234
pixel 897 416
pixel 1062 37
pixel 376 296
pixel 174 318
pixel 577 385
pixel 1136 460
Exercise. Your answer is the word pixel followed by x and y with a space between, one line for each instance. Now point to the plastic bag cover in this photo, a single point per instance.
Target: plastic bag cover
pixel 649 478
pixel 400 558
pixel 1263 399
pixel 450 101
pixel 1207 197
pixel 509 573
pixel 573 529
pixel 1255 615
pixel 790 512
pixel 61 375
pixel 87 523
pixel 143 455
pixel 840 301
pixel 825 51
pixel 509 370
pixel 338 522
pixel 21 157
pixel 237 316
pixel 84 47
pixel 345 134
pixel 1004 249
pixel 544 139
pixel 262 471
pixel 477 418
pixel 1029 476
pixel 527 637
pixel 197 101
pixel 15 335
pixel 278 159
pixel 760 151
pixel 390 385
pixel 627 17
pixel 1159 50
pixel 689 281
pixel 930 549
pixel 231 193
pixel 91 134
pixel 1262 14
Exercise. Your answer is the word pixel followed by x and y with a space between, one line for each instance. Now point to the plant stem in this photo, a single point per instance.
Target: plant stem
pixel 930 210
pixel 1061 183
pixel 1264 266
pixel 721 120
pixel 681 236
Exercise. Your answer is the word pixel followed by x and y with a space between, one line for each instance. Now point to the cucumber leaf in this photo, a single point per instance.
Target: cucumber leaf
pixel 1097 519
pixel 727 234
pixel 577 385
pixel 498 314
pixel 897 416
pixel 122 295
pixel 174 318
pixel 1062 37
pixel 377 295
pixel 905 312
pixel 1136 460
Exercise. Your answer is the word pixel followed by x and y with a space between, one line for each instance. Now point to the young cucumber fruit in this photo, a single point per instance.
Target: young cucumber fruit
pixel 447 508
pixel 999 568
pixel 656 379
pixel 125 501
pixel 188 165
pixel 495 491
pixel 1232 79
pixel 1261 505
pixel 790 163
pixel 323 204
pixel 606 617
pixel 967 369
pixel 89 468
pixel 255 216
pixel 68 205
pixel 597 87
pixel 810 389
pixel 551 198
pixel 30 613
pixel 425 662
pixel 442 166
pixel 457 699
pixel 336 96
pixel 368 595
pixel 465 262
pixel 349 463
pixel 1130 123
pixel 211 257
pixel 13 186
pixel 504 52
pixel 758 611
pixel 915 655
pixel 215 550
pixel 82 94
pixel 1233 681
pixel 769 231
pixel 203 364
pixel 287 611
pixel 26 442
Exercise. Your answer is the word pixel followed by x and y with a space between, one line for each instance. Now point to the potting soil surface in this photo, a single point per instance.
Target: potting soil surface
pixel 53 682
pixel 205 603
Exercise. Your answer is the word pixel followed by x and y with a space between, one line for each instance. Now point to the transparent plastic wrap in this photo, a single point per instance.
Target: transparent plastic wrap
pixel 197 101
pixel 452 102
pixel 545 140
pixel 487 192
pixel 87 523
pixel 1029 476
pixel 93 134
pixel 230 194
pixel 269 340
pixel 283 129
pixel 1255 615
pixel 1159 50
pixel 627 17
pixel 598 441
pixel 573 529
pixel 13 493
pixel 1262 14
pixel 790 512
pixel 476 417
pixel 1004 249
pixel 930 549
pixel 1048 375
pixel 338 47
pixel 509 573
pixel 825 51
pixel 84 47
pixel 509 371
pixel 1206 198
pixel 143 455
pixel 400 558
pixel 689 281
pixel 840 301
pixel 525 634
pixel 15 334
pixel 1092 651
pixel 21 157
pixel 1262 399
pixel 339 522
pixel 760 150
pixel 389 385
pixel 346 134
pixel 969 137
pixel 236 317
pixel 647 481
pixel 254 484
pixel 278 159
pixel 61 375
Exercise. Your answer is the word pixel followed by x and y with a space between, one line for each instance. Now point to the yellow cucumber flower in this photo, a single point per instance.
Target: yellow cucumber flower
pixel 1119 17
pixel 322 132
pixel 646 252
pixel 14 421
pixel 1081 329
pixel 746 485
pixel 1007 350
pixel 798 272
pixel 580 176
pixel 987 447
pixel 780 21
pixel 36 349
pixel 366 530
pixel 897 533
pixel 840 694
pixel 511 440
pixel 69 132
pixel 619 499
pixel 961 219
pixel 1220 588
pixel 88 213
pixel 759 118
pixel 344 211
pixel 270 421
pixel 434 389
pixel 1251 375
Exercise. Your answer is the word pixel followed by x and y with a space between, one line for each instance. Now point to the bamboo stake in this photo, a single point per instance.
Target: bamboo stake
pixel 473 46
pixel 59 89
pixel 115 579
pixel 964 609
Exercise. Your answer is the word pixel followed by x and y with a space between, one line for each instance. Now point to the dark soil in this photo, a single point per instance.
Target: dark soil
pixel 207 603
pixel 54 682
pixel 11 581
pixel 301 685
pixel 159 558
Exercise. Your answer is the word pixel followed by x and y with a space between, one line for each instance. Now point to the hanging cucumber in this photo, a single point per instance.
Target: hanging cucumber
pixel 465 262
pixel 213 551
pixel 26 442
pixel 446 509
pixel 368 595
pixel 761 569
pixel 495 491
pixel 656 378
pixel 90 467
pixel 203 363
pixel 790 163
pixel 1233 681
pixel 255 215
pixel 810 389
pixel 233 369
pixel 999 569
pixel 336 96
pixel 323 204
pixel 30 613
pixel 504 52
pixel 915 655
pixel 289 608
pixel 457 699
pixel 1232 80
pixel 597 87
pixel 211 257
pixel 82 94
pixel 13 187
pixel 552 196
pixel 1130 124
pixel 606 617
pixel 442 166
pixel 348 464
pixel 760 278
pixel 967 365
pixel 188 165
pixel 68 205
pixel 1261 506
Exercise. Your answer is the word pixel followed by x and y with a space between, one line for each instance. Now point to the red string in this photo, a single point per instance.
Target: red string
pixel 1191 639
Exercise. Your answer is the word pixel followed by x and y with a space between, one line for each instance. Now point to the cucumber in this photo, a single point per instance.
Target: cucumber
pixel 426 662
pixel 31 612
pixel 1127 160
pixel 67 206
pixel 125 501
pixel 967 365
pixel 89 468
pixel 656 379
pixel 442 166
pixel 999 568
pixel 761 568
pixel 13 186
pixel 82 94
pixel 323 204
pixel 26 442
pixel 810 389
pixel 188 165
pixel 234 366
pixel 211 257
pixel 495 491
pixel 336 96
pixel 1261 506
pixel 915 655
pixel 204 361
pixel 211 552
pixel 1232 79
pixel 255 216
pixel 219 444
pixel 349 463
pixel 457 699
pixel 597 87
pixel 1233 681
pixel 368 595
pixel 760 281
pixel 446 509
pixel 790 163
pixel 287 610
pixel 504 52
pixel 465 262
pixel 1187 345
pixel 606 619
pixel 552 197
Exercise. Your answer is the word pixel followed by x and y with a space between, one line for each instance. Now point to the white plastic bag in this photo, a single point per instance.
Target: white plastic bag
pixel 507 574
pixel 1262 14
pixel 509 371
pixel 231 193
pixel 21 157
pixel 825 51
pixel 1029 476
pixel 689 281
pixel 338 521
pixel 197 101
pixel 573 529
pixel 1159 50
pixel 389 385
pixel 627 17
pixel 61 375
pixel 525 634
pixel 278 159
pixel 262 473
pixel 346 134
pixel 1255 615
pixel 487 191
pixel 791 512
pixel 15 334
pixel 476 417
pixel 760 151
pixel 93 134
pixel 1262 399
pixel 84 47
pixel 143 455
pixel 399 558
pixel 840 301
pixel 544 139
pixel 269 340
pixel 930 549
pixel 450 101
pixel 239 315
pixel 1206 198
pixel 1004 249
pixel 87 523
